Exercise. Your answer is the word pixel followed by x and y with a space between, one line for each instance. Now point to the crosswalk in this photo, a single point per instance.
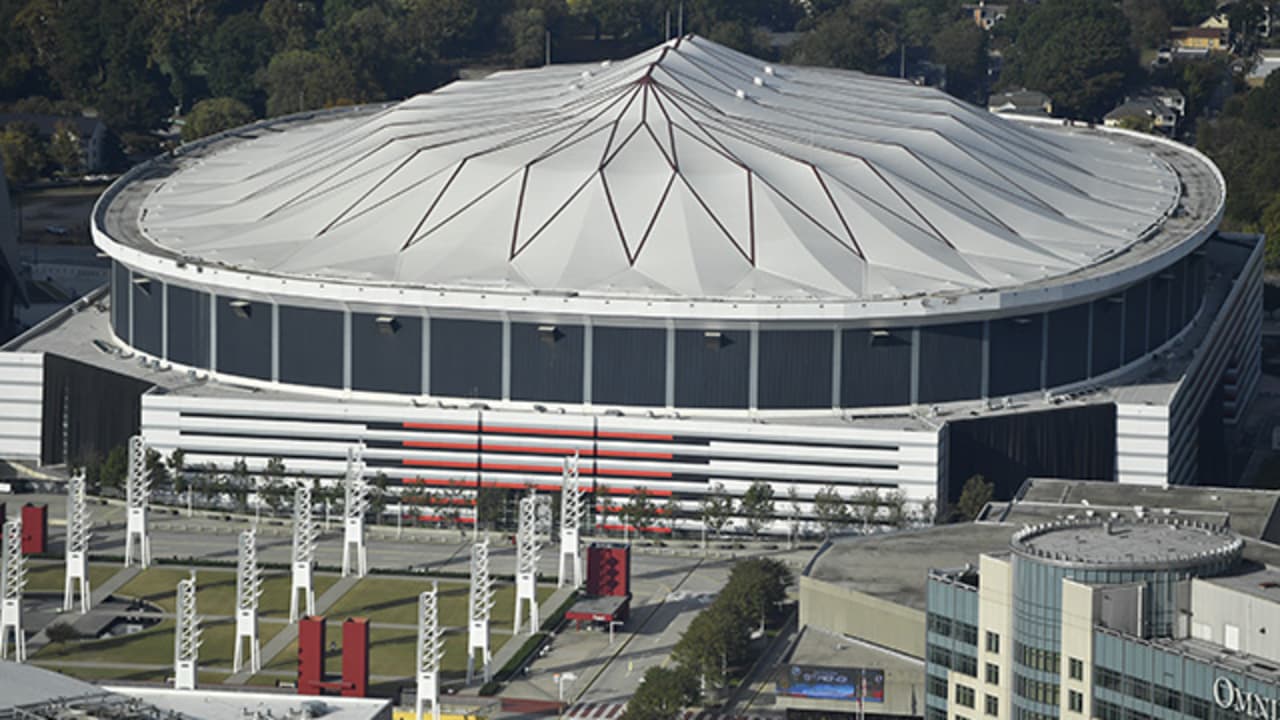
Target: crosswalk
pixel 595 711
pixel 613 711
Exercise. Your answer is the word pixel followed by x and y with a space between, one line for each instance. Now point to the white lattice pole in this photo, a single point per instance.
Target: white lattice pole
pixel 570 524
pixel 528 552
pixel 430 651
pixel 137 499
pixel 479 608
pixel 13 578
pixel 248 590
pixel 79 526
pixel 356 492
pixel 305 533
pixel 186 638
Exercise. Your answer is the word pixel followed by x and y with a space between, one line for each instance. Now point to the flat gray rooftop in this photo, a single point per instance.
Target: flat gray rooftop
pixel 816 646
pixel 1248 512
pixel 22 685
pixel 1125 542
pixel 232 705
pixel 894 566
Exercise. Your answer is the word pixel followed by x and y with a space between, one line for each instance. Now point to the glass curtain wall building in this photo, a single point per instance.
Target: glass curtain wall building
pixel 1106 618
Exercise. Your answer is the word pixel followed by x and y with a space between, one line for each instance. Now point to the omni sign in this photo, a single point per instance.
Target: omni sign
pixel 1230 696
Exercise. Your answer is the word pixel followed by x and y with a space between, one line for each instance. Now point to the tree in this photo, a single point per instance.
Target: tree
pixel 793 496
pixel 831 509
pixel 490 505
pixel 757 506
pixel 1148 22
pixel 297 80
pixel 176 27
pixel 1076 51
pixel 234 54
pixel 895 504
pixel 61 632
pixel 758 586
pixel 154 469
pixel 526 33
pixel 715 639
pixel 639 511
pixel 661 695
pixel 22 152
pixel 1140 123
pixel 962 47
pixel 112 473
pixel 1271 226
pixel 215 115
pixel 292 23
pixel 859 36
pixel 65 150
pixel 717 508
pixel 974 497
pixel 866 506
pixel 928 511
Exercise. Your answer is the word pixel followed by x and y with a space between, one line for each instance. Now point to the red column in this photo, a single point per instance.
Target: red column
pixel 35 529
pixel 310 654
pixel 355 657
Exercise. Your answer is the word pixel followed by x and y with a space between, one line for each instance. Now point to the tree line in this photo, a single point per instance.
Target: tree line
pixel 718 642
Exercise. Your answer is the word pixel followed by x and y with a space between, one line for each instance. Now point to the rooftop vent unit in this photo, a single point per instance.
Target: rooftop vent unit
pixel 714 339
pixel 549 334
pixel 387 325
pixel 242 309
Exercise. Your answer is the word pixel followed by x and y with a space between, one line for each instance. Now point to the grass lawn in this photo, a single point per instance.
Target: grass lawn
pixel 392 651
pixel 216 590
pixel 395 601
pixel 52 577
pixel 153 646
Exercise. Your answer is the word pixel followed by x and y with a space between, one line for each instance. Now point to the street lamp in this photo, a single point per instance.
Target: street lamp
pixel 612 625
pixel 561 679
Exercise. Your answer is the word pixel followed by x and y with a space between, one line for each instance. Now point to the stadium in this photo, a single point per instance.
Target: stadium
pixel 689 267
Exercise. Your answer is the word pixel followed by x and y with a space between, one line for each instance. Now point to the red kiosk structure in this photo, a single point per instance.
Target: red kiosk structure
pixel 35 529
pixel 355 658
pixel 607 595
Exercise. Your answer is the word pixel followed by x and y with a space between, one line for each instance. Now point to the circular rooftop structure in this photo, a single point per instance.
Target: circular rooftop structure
pixel 691 227
pixel 1146 544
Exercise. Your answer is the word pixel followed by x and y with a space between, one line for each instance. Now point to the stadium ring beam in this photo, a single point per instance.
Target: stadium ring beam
pixel 690 228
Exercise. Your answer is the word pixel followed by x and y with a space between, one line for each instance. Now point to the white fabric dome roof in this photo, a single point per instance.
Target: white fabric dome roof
pixel 689 170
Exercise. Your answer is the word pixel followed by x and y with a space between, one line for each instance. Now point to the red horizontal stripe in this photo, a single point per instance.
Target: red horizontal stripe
pixel 509 430
pixel 441 483
pixel 441 518
pixel 534 450
pixel 472 445
pixel 440 426
pixel 633 454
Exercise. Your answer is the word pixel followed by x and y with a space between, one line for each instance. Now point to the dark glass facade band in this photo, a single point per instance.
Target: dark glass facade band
pixel 714 367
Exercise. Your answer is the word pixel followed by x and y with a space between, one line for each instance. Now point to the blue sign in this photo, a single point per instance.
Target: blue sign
pixel 828 683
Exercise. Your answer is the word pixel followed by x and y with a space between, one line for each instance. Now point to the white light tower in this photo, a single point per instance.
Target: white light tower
pixel 78 527
pixel 186 638
pixel 430 651
pixel 570 524
pixel 528 552
pixel 305 533
pixel 248 590
pixel 353 510
pixel 137 498
pixel 479 608
pixel 12 580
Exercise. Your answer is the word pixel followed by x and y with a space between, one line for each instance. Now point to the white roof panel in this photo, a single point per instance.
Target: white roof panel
pixel 689 169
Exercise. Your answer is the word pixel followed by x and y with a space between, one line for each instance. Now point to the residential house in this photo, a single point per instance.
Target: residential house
pixel 90 132
pixel 1143 109
pixel 1020 102
pixel 1199 39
